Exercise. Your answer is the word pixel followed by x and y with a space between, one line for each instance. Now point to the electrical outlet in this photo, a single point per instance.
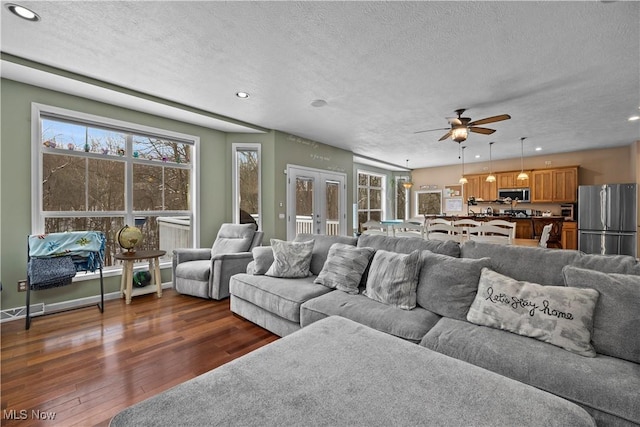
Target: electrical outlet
pixel 22 286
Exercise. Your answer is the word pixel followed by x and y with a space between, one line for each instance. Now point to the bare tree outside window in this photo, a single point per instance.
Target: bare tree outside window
pixel 85 182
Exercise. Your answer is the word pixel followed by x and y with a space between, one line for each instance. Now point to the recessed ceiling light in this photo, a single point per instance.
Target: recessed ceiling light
pixel 242 95
pixel 538 148
pixel 318 103
pixel 23 12
pixel 633 118
pixel 477 156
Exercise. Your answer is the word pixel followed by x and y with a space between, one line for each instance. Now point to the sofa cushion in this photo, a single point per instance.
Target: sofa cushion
pixel 194 270
pixel 233 238
pixel 344 267
pixel 262 259
pixel 607 387
pixel 617 314
pixel 406 245
pixel 561 316
pixel 321 247
pixel 410 325
pixel 290 259
pixel 448 285
pixel 622 264
pixel 538 265
pixel 282 297
pixel 393 278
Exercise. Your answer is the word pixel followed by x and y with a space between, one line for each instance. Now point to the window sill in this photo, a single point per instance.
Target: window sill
pixel 116 271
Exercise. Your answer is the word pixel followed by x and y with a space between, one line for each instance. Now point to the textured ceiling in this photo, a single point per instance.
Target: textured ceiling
pixel 567 72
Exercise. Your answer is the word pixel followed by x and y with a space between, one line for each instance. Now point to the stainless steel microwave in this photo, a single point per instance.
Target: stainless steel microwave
pixel 519 194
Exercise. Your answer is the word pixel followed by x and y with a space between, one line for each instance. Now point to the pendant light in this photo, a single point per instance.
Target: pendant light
pixel 407 184
pixel 522 176
pixel 462 180
pixel 491 177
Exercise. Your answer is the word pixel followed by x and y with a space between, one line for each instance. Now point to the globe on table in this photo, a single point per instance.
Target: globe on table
pixel 129 237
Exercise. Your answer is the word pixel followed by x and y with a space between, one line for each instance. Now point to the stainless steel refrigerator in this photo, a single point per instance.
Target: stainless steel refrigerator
pixel 607 219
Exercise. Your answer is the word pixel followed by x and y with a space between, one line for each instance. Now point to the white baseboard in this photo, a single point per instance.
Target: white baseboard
pixel 40 308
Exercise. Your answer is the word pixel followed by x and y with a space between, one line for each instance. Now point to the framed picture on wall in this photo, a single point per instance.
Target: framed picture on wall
pixel 428 202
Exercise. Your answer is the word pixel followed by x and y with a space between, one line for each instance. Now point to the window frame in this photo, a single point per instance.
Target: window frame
pixel 383 192
pixel 235 179
pixel 42 111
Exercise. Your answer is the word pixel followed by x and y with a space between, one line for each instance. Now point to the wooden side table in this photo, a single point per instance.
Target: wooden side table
pixel 128 259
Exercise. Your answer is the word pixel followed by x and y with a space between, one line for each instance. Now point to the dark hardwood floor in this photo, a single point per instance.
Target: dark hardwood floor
pixel 83 367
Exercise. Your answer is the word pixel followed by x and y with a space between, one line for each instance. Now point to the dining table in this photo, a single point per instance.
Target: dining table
pixel 525 242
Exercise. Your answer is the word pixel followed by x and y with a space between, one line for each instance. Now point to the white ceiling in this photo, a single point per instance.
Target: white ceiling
pixel 567 72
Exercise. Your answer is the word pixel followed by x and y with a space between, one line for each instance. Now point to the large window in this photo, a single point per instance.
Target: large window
pixel 98 174
pixel 371 190
pixel 247 184
pixel 402 198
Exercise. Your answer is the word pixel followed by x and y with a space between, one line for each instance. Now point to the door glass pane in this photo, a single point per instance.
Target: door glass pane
pixel 332 208
pixel 248 168
pixel 375 199
pixel 304 205
pixel 401 200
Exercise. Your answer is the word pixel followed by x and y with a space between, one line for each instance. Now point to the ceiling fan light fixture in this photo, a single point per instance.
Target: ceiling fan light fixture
pixel 459 134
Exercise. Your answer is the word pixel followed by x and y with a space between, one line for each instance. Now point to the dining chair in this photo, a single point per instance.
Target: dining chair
pixel 506 224
pixel 490 234
pixel 375 227
pixel 544 237
pixel 438 231
pixel 408 229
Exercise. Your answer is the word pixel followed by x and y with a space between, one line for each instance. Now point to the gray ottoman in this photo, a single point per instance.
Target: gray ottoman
pixel 338 372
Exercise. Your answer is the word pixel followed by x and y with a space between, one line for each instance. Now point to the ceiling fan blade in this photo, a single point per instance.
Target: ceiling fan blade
pixel 484 131
pixel 490 120
pixel 431 130
pixel 446 135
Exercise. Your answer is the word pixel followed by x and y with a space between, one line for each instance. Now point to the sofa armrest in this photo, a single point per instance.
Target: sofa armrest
pixel 190 254
pixel 224 266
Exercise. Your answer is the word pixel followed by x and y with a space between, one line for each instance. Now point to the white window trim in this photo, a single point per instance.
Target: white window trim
pixel 383 187
pixel 235 179
pixel 37 110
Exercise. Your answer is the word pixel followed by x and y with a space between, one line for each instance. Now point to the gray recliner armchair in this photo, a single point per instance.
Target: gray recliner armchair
pixel 204 272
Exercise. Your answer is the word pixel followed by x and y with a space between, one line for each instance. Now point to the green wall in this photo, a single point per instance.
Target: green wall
pixel 278 150
pixel 294 150
pixel 15 186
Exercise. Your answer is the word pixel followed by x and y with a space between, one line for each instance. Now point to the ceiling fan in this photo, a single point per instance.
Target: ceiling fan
pixel 460 126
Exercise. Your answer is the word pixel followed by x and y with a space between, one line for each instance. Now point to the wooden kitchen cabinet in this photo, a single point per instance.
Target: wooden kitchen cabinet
pixel 569 235
pixel 554 185
pixel 510 180
pixel 479 188
pixel 565 185
pixel 541 185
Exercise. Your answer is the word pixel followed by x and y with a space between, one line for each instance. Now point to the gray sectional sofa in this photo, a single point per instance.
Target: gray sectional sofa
pixel 607 386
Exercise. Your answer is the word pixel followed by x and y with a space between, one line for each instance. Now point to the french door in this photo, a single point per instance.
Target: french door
pixel 316 202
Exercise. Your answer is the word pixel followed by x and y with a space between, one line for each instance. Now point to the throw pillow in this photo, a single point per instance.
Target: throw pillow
pixel 344 267
pixel 393 278
pixel 262 259
pixel 557 315
pixel 448 285
pixel 290 259
pixel 617 315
